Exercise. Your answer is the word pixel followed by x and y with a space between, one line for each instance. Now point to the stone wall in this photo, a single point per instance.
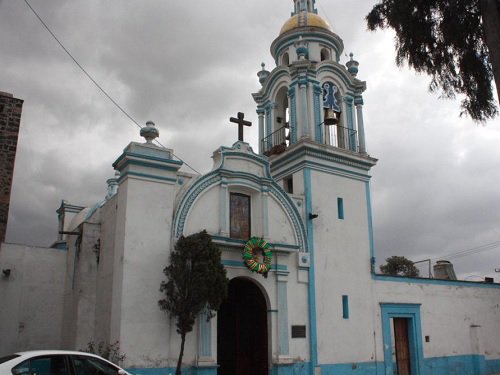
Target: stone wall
pixel 10 118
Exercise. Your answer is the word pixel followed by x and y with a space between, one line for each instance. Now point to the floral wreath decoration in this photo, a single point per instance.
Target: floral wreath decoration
pixel 251 255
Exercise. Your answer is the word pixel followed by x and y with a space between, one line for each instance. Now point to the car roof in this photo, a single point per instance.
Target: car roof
pixel 43 352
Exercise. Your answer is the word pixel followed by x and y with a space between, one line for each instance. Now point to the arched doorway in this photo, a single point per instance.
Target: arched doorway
pixel 242 342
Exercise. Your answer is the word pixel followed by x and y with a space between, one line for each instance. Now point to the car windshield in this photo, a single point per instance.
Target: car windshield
pixel 8 357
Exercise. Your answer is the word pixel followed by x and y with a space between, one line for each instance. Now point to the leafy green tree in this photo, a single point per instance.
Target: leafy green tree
pixel 448 40
pixel 196 280
pixel 399 266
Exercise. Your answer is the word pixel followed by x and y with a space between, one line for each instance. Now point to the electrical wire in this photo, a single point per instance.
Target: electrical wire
pixel 470 251
pixel 94 81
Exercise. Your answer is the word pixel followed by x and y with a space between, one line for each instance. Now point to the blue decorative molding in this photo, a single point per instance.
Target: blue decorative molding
pixel 318 133
pixel 313 340
pixel 329 156
pixel 205 341
pixel 370 225
pixel 240 263
pixel 286 41
pixel 282 317
pixel 146 175
pixel 293 116
pixel 412 313
pixel 147 157
pixel 450 365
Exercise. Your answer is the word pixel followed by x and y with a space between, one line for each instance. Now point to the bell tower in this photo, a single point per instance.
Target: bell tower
pixel 309 94
pixel 310 111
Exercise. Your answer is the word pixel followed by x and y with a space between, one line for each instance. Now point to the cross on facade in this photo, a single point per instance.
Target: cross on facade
pixel 240 123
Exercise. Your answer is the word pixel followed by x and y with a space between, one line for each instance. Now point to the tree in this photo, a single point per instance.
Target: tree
pixel 448 40
pixel 196 280
pixel 399 266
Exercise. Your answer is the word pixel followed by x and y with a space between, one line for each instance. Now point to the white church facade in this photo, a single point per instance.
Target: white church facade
pixel 321 309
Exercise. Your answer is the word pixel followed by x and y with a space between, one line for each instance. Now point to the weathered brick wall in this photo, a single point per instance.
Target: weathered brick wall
pixel 10 118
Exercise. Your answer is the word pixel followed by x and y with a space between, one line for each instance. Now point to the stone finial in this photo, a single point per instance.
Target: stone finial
pixel 149 132
pixel 263 74
pixel 352 65
pixel 301 49
pixel 113 185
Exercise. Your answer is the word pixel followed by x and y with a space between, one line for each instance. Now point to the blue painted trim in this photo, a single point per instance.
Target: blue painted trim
pixel 288 39
pixel 293 116
pixel 412 313
pixel 213 178
pixel 412 280
pixel 141 163
pixel 329 156
pixel 313 340
pixel 370 226
pixel 204 370
pixel 356 368
pixel 492 366
pixel 146 175
pixel 205 342
pixel 147 157
pixel 282 317
pixel 452 365
pixel 240 263
pixel 340 208
pixel 239 242
pixel 318 133
pixel 345 307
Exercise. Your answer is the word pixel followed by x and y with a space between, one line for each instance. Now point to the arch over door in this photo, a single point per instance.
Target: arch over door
pixel 242 340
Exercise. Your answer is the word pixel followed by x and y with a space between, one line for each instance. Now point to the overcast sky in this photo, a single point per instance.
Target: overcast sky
pixel 188 66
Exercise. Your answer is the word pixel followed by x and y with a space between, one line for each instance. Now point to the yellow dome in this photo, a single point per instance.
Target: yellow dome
pixel 305 19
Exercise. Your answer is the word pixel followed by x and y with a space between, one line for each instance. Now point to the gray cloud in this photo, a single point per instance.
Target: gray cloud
pixel 191 65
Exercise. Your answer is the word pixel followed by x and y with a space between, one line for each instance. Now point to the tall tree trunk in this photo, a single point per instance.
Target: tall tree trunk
pixel 490 11
pixel 181 354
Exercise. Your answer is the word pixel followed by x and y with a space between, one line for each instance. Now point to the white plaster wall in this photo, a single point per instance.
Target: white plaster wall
pixel 204 213
pixel 342 267
pixel 31 298
pixel 106 286
pixel 147 209
pixel 280 225
pixel 447 314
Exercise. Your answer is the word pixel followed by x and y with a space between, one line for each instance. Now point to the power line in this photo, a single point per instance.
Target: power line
pixel 94 81
pixel 470 251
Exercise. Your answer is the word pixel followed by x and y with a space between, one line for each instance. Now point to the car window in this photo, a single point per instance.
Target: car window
pixel 46 365
pixel 93 366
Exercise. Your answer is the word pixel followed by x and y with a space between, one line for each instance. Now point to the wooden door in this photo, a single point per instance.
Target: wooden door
pixel 402 346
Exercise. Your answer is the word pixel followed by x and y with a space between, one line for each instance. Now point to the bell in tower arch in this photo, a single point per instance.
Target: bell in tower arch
pixel 330 105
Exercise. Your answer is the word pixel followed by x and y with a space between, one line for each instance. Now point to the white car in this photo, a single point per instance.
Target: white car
pixel 57 362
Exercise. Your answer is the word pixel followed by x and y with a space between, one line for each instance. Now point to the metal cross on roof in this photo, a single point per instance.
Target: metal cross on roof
pixel 240 123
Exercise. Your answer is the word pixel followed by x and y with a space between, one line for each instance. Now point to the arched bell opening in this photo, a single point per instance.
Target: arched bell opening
pixel 279 139
pixel 285 60
pixel 325 54
pixel 337 132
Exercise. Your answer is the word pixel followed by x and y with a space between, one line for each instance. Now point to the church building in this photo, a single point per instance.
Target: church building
pixel 312 303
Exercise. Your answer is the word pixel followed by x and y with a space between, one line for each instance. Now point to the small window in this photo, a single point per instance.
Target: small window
pixel 288 184
pixel 345 307
pixel 325 54
pixel 285 60
pixel 239 216
pixel 340 208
